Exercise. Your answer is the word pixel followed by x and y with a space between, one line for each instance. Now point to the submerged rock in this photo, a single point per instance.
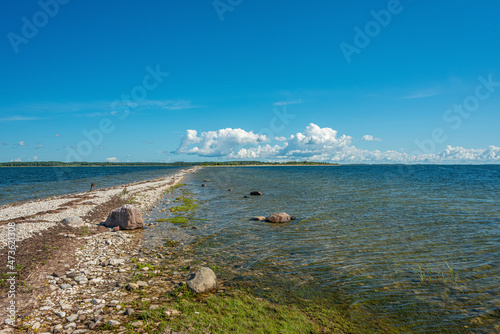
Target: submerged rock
pixel 256 193
pixel 73 221
pixel 279 217
pixel 258 218
pixel 126 217
pixel 203 280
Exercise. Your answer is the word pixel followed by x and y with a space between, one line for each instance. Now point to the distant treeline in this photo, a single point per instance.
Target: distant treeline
pixel 177 163
pixel 92 164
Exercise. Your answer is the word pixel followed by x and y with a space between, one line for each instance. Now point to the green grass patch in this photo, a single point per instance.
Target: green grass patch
pixel 187 204
pixel 241 312
pixel 171 243
pixel 172 188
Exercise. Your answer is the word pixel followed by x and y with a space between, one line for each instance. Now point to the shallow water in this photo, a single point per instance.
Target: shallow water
pixel 416 245
pixel 29 183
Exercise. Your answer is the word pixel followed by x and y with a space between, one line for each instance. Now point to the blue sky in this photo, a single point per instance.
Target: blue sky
pixel 362 81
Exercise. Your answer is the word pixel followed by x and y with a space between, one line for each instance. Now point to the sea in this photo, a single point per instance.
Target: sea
pixel 413 247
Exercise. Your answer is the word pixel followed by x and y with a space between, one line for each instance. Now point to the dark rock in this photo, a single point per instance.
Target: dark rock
pixel 246 196
pixel 279 217
pixel 126 217
pixel 230 189
pixel 202 281
pixel 293 218
pixel 129 311
pixel 203 185
pixel 256 193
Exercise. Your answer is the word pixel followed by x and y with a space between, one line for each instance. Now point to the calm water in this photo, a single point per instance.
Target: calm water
pixel 418 246
pixel 28 183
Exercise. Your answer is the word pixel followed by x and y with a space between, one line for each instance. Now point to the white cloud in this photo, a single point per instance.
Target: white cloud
pixel 58 135
pixel 38 147
pixel 218 143
pixel 112 159
pixel 35 158
pixel 370 138
pixel 22 143
pixel 16 160
pixel 317 144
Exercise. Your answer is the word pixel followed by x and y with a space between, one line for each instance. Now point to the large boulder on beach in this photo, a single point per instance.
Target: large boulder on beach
pixel 202 281
pixel 126 217
pixel 73 221
pixel 279 217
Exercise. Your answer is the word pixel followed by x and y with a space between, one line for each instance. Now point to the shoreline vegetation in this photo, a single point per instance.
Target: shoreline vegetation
pixel 118 294
pixel 156 164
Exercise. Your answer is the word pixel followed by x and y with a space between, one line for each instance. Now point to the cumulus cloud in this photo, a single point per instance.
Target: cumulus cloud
pixel 112 159
pixel 16 160
pixel 35 158
pixel 22 143
pixel 317 144
pixel 370 138
pixel 218 143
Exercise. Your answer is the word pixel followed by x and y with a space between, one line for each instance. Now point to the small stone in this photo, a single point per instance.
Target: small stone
pixel 132 286
pixel 66 307
pixel 73 221
pixel 142 284
pixel 65 286
pixel 70 325
pixel 203 280
pixel 113 302
pixel 116 228
pixel 137 324
pixel 118 307
pixel 145 269
pixel 113 323
pixel 45 308
pixel 36 326
pixel 61 314
pixel 129 311
pixel 72 318
pixel 97 301
pixel 172 312
pixel 57 329
pixel 154 307
pixel 259 218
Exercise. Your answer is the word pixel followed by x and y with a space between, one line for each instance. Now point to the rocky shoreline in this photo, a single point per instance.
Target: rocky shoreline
pixel 91 278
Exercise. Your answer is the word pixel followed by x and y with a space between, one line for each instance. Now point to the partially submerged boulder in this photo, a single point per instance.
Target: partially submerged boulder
pixel 279 217
pixel 126 217
pixel 73 221
pixel 256 193
pixel 202 281
pixel 258 218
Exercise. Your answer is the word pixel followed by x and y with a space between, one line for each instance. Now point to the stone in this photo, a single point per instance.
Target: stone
pixel 142 284
pixel 206 180
pixel 230 189
pixel 279 217
pixel 256 193
pixel 137 324
pixel 127 217
pixel 172 312
pixel 36 326
pixel 113 323
pixel 57 329
pixel 66 307
pixel 203 280
pixel 203 185
pixel 132 286
pixel 65 286
pixel 115 262
pixel 81 279
pixel 258 218
pixel 70 325
pixel 116 228
pixel 73 221
pixel 61 314
pixel 72 318
pixel 129 311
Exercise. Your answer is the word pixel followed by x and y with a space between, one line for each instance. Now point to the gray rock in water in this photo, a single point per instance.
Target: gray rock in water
pixel 279 217
pixel 256 193
pixel 258 218
pixel 203 280
pixel 127 217
pixel 73 221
